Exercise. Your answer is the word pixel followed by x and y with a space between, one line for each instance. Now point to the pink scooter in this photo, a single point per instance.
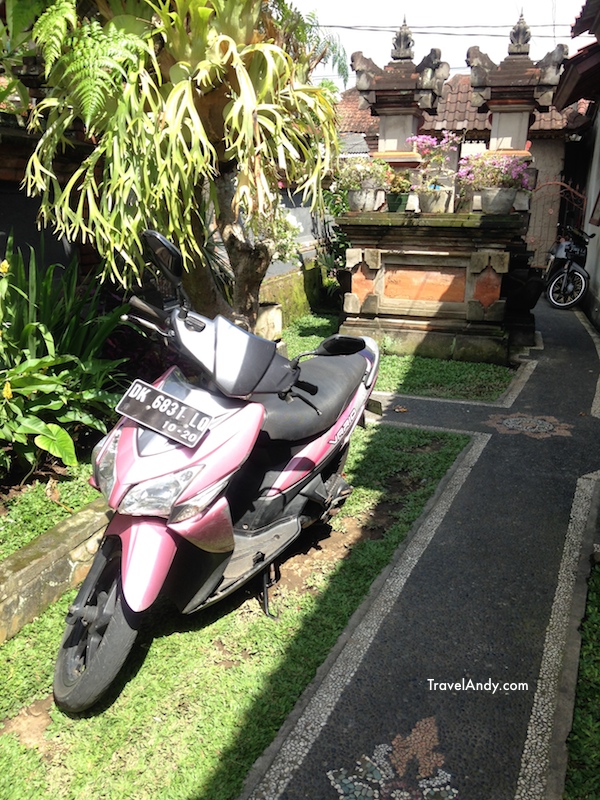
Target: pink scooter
pixel 210 478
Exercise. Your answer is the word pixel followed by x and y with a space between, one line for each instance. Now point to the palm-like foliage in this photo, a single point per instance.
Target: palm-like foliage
pixel 173 93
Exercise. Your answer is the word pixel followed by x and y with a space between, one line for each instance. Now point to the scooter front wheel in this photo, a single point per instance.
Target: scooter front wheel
pixel 567 289
pixel 100 633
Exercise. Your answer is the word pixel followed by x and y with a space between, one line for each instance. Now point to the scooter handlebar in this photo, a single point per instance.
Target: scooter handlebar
pixel 577 232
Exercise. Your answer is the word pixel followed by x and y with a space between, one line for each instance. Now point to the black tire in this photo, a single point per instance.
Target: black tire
pixel 100 633
pixel 566 290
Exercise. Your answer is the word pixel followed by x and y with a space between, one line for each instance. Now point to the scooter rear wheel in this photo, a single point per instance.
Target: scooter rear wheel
pixel 567 290
pixel 100 633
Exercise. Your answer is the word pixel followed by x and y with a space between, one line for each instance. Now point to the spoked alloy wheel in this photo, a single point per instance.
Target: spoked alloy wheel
pixel 567 289
pixel 100 633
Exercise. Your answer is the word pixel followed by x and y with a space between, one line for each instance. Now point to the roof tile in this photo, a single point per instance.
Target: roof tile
pixel 454 112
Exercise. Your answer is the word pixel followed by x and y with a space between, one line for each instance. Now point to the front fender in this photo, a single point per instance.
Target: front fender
pixel 148 551
pixel 577 268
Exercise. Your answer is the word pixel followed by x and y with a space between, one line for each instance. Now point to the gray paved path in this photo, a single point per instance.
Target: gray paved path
pixel 455 679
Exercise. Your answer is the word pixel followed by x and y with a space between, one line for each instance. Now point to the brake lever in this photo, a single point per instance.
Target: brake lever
pixel 145 323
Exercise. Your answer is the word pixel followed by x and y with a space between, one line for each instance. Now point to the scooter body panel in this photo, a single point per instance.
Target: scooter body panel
pixel 321 448
pixel 148 552
pixel 144 455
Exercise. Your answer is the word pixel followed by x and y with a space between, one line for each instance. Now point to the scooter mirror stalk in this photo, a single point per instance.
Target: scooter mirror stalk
pixel 168 259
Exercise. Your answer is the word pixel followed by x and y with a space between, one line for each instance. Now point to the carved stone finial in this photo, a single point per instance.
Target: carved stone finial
pixel 551 64
pixel 403 44
pixel 366 69
pixel 520 37
pixel 475 58
pixel 431 61
pixel 481 67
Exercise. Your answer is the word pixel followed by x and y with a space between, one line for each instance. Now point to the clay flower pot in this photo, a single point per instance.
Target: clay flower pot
pixel 436 201
pixel 497 200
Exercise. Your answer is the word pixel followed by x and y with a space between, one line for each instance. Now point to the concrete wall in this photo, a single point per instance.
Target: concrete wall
pixel 38 574
pixel 545 204
pixel 593 262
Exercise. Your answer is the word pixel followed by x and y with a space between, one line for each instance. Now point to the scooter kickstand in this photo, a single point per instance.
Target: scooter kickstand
pixel 270 577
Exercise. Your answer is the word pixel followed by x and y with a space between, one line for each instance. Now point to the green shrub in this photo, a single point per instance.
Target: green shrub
pixel 52 381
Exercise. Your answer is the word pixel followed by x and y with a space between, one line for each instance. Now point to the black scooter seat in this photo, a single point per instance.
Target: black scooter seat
pixel 327 383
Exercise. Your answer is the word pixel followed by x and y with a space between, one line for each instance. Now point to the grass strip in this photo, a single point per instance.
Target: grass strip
pixel 203 696
pixel 33 512
pixel 583 772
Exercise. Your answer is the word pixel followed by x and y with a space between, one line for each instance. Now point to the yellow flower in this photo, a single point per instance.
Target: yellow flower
pixel 7 391
pixel 4 267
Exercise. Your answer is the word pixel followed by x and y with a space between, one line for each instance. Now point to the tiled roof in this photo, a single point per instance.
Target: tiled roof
pixel 354 143
pixel 351 118
pixel 455 112
pixel 587 17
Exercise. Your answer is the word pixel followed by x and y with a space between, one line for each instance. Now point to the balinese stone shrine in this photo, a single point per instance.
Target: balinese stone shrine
pixel 449 285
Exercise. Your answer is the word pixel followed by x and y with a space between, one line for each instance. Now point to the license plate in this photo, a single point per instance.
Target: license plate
pixel 163 413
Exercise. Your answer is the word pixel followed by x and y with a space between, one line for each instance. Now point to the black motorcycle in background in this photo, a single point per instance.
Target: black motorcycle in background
pixel 566 279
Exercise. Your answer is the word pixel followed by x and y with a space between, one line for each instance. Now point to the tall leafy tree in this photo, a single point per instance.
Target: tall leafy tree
pixel 197 110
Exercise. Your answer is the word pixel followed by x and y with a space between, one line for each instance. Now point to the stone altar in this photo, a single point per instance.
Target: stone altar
pixel 430 285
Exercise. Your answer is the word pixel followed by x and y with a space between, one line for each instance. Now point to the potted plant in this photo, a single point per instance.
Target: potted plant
pixel 497 176
pixel 361 178
pixel 434 187
pixel 399 190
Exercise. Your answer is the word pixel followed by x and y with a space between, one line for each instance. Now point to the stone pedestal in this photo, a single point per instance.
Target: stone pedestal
pixel 430 286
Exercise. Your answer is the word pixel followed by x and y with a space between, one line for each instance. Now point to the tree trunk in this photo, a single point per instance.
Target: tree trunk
pixel 249 261
pixel 250 264
pixel 201 286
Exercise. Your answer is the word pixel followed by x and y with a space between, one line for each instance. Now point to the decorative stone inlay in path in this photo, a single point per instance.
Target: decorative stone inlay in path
pixel 408 769
pixel 536 427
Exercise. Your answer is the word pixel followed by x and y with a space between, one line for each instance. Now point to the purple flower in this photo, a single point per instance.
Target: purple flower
pixel 485 170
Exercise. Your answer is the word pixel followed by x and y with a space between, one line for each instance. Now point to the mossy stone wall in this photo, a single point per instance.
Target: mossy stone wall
pixel 297 292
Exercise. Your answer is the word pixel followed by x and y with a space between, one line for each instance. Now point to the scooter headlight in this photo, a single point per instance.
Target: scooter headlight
pixel 197 504
pixel 104 468
pixel 156 497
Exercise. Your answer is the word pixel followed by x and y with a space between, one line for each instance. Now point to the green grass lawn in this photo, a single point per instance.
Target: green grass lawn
pixel 583 773
pixel 32 512
pixel 414 375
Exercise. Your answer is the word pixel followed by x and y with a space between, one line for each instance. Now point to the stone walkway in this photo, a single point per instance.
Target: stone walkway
pixel 455 679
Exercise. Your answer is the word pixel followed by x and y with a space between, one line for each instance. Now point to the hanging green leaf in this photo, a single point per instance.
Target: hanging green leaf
pixel 51 29
pixel 58 443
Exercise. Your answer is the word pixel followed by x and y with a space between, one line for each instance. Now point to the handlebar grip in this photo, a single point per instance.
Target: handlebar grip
pixel 150 312
pixel 581 234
